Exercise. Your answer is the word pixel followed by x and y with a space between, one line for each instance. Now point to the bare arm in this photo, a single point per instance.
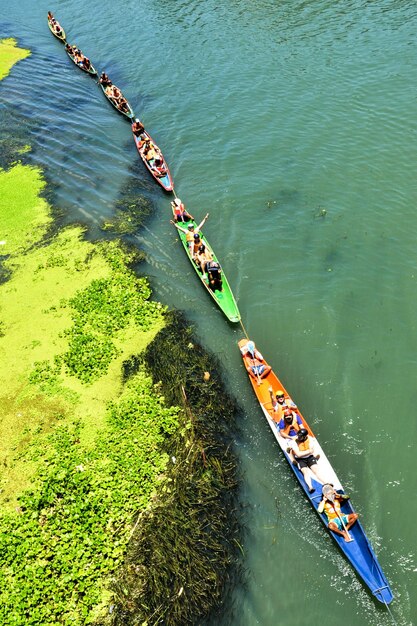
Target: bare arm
pixel 184 230
pixel 202 222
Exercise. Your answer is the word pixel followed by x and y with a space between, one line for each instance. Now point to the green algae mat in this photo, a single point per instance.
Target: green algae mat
pixel 9 55
pixel 81 447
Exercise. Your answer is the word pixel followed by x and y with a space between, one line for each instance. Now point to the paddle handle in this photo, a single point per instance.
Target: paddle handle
pixel 342 522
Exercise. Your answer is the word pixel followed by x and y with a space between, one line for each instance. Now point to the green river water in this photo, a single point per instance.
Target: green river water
pixel 294 124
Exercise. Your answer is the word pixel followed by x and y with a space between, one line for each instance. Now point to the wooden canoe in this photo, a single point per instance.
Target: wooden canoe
pixel 53 29
pixel 224 299
pixel 162 175
pixel 359 551
pixel 129 113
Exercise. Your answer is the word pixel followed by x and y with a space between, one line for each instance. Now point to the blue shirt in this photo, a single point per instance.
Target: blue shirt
pixel 292 431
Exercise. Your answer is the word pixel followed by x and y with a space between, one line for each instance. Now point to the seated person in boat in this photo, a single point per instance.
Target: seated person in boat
pixel 180 212
pixel 78 55
pixel 190 231
pixel 86 63
pixel 290 424
pixel 137 128
pixel 69 49
pixel 197 243
pixel 149 152
pixel 214 273
pixel 302 454
pixel 50 16
pixel 105 80
pixel 123 105
pixel 254 362
pixel 143 142
pixel 330 505
pixel 159 165
pixel 202 257
pixel 280 402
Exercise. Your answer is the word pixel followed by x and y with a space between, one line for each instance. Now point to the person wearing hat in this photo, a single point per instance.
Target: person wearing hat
pixel 180 212
pixel 256 366
pixel 190 231
pixel 214 274
pixel 280 402
pixel 331 506
pixel 302 454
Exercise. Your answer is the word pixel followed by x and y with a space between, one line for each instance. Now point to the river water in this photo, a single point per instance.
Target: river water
pixel 294 124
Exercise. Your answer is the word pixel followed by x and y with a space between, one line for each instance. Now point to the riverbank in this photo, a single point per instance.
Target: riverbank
pixel 102 463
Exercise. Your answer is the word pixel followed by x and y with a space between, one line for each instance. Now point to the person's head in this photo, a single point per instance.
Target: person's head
pixel 279 394
pixel 201 248
pixel 251 347
pixel 177 201
pixel 191 227
pixel 197 237
pixel 288 416
pixel 302 435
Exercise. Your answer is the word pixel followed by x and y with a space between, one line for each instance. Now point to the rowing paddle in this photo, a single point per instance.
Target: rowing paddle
pixel 329 494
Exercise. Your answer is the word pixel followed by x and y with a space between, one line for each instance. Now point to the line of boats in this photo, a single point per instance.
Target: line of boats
pixel 358 549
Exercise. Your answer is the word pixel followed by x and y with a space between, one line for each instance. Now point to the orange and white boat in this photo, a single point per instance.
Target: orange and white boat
pixel 359 551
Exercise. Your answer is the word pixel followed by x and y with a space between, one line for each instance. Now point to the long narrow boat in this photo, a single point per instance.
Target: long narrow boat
pixel 359 551
pixel 224 298
pixel 92 71
pixel 129 113
pixel 57 30
pixel 161 173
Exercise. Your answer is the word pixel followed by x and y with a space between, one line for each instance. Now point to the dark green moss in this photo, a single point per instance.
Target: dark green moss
pixel 185 551
pixel 131 209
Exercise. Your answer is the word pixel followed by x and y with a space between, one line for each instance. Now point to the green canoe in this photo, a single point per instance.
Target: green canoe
pixel 224 298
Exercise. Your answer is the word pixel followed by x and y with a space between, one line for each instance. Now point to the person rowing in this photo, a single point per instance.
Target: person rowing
pixel 331 506
pixel 51 17
pixel 105 80
pixel 256 366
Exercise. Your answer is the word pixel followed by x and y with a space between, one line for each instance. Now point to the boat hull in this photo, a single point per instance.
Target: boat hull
pixel 129 114
pixel 92 71
pixel 166 180
pixel 359 552
pixel 60 37
pixel 224 299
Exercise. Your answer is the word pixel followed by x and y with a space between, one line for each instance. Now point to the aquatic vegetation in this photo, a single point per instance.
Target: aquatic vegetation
pixel 98 313
pixel 109 491
pixel 72 528
pixel 184 552
pixel 24 215
pixel 9 55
